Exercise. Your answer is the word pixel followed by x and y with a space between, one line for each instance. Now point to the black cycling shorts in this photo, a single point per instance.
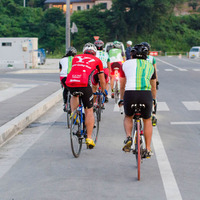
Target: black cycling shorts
pixel 86 95
pixel 138 97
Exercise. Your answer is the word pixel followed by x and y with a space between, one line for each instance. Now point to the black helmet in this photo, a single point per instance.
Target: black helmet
pixel 71 51
pixel 99 44
pixel 146 45
pixel 139 51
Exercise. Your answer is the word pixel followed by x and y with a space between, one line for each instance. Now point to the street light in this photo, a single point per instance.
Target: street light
pixel 67 24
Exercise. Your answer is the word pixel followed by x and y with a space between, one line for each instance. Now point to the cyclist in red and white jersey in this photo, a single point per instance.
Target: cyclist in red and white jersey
pixel 79 80
pixel 65 65
pixel 103 56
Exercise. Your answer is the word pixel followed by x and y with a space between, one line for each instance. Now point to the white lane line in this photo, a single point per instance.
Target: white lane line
pixel 196 70
pixel 184 123
pixel 116 108
pixel 180 69
pixel 162 106
pixel 189 60
pixel 169 70
pixel 170 186
pixel 15 90
pixel 192 105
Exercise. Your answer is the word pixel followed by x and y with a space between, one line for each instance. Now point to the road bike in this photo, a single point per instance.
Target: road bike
pixel 99 103
pixel 68 109
pixel 138 147
pixel 78 132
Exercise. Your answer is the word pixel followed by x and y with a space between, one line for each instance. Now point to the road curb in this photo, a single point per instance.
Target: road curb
pixel 12 128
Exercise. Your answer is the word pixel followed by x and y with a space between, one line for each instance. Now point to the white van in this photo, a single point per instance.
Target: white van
pixel 194 52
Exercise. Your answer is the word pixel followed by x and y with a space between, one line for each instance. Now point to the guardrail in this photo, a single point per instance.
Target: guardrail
pixel 176 54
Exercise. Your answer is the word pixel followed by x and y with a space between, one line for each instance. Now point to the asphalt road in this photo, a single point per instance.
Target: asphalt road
pixel 38 163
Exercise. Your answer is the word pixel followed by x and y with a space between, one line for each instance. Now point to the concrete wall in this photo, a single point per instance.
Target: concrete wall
pixel 18 52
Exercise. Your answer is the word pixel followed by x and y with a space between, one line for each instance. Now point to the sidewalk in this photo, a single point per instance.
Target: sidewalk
pixel 25 95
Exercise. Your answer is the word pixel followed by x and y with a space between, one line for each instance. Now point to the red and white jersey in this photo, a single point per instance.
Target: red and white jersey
pixel 83 66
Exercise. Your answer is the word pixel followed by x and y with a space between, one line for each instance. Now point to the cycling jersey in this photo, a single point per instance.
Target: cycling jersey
pixel 151 59
pixel 103 56
pixel 138 73
pixel 83 66
pixel 65 66
pixel 116 55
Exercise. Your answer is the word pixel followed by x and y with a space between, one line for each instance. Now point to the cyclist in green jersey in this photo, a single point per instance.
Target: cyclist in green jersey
pixel 117 57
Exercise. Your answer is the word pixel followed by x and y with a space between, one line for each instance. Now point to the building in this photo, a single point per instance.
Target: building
pixel 76 5
pixel 18 52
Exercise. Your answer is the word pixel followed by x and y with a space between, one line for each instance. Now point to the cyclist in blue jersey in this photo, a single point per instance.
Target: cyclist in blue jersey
pixel 65 65
pixel 135 88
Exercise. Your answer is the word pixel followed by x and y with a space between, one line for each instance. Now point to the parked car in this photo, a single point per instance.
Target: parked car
pixel 194 52
pixel 109 45
pixel 41 56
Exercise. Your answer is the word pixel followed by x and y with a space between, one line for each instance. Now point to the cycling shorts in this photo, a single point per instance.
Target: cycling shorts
pixel 86 95
pixel 115 65
pixel 138 97
pixel 63 80
pixel 95 78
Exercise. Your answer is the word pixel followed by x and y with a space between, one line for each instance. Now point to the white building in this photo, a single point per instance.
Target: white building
pixel 18 52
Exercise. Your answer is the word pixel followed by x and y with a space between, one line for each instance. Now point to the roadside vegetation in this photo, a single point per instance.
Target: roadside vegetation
pixel 152 21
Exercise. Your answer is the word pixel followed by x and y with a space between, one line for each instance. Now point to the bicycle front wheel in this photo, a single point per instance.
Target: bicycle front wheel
pixel 75 134
pixel 96 126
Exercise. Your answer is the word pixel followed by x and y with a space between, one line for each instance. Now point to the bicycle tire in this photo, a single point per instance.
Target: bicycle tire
pixel 138 150
pixel 116 94
pixel 100 104
pixel 68 110
pixel 75 134
pixel 96 126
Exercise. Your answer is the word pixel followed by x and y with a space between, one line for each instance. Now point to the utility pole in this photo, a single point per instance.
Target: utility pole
pixel 24 3
pixel 67 23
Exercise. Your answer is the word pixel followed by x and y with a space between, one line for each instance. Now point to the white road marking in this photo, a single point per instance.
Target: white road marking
pixel 169 70
pixel 116 108
pixel 185 123
pixel 192 105
pixel 170 186
pixel 162 106
pixel 15 90
pixel 196 70
pixel 180 69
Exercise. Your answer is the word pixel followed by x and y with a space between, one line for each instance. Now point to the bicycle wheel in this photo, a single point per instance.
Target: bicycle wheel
pixel 99 107
pixel 68 110
pixel 116 92
pixel 75 134
pixel 138 154
pixel 96 126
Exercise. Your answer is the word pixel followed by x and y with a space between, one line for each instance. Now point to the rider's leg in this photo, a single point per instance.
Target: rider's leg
pixel 128 125
pixel 148 132
pixel 89 121
pixel 74 102
pixel 112 82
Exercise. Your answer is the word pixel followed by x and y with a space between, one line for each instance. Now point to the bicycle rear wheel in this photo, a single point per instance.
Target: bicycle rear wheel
pixel 96 126
pixel 138 148
pixel 116 92
pixel 75 134
pixel 99 107
pixel 68 110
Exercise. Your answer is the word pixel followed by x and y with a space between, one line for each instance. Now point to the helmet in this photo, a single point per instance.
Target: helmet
pixel 116 44
pixel 139 51
pixel 71 51
pixel 99 44
pixel 129 42
pixel 89 48
pixel 146 45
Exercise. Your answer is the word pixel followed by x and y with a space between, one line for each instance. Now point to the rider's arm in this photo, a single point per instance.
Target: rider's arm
pixel 102 81
pixel 109 68
pixel 122 83
pixel 60 66
pixel 153 84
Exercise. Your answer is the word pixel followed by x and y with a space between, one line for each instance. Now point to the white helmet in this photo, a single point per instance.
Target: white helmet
pixel 129 43
pixel 89 48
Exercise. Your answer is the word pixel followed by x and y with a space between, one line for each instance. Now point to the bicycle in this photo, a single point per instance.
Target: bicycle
pixel 99 103
pixel 138 136
pixel 78 132
pixel 68 109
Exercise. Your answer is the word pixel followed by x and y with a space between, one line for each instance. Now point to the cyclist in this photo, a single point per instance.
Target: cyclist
pixel 128 49
pixel 79 84
pixel 103 56
pixel 152 60
pixel 65 65
pixel 117 57
pixel 135 88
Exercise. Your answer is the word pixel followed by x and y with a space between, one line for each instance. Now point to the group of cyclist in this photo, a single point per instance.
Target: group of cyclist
pixel 81 74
